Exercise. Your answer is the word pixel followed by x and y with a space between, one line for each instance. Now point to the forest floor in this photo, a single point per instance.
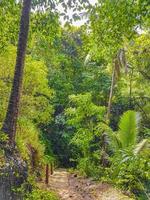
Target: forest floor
pixel 72 187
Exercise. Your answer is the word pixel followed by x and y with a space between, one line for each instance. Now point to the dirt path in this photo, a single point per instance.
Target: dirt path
pixel 60 182
pixel 72 187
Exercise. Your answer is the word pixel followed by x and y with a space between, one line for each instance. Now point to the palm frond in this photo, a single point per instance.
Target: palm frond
pixel 87 59
pixel 141 146
pixel 117 141
pixel 128 128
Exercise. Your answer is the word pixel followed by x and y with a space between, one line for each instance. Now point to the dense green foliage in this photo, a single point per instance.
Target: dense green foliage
pixel 66 89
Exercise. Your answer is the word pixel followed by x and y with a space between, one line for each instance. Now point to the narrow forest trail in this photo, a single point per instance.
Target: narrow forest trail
pixel 71 187
pixel 61 183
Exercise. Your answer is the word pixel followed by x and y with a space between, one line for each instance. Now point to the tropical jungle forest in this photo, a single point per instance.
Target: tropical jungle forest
pixel 74 99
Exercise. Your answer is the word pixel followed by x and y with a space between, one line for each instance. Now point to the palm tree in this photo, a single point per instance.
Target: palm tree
pixel 118 63
pixel 10 122
pixel 15 165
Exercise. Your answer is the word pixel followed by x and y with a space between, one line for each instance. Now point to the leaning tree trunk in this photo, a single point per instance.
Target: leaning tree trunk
pixel 10 122
pixel 13 172
pixel 104 157
pixel 111 94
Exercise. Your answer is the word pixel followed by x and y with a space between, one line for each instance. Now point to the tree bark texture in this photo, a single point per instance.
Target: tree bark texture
pixel 14 172
pixel 10 122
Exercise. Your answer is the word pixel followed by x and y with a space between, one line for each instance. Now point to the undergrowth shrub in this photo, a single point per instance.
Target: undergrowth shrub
pixel 130 173
pixel 87 167
pixel 120 158
pixel 29 144
pixel 38 194
pixel 30 190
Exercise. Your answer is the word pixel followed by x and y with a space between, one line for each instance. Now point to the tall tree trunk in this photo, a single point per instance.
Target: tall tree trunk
pixel 111 94
pixel 13 162
pixel 10 122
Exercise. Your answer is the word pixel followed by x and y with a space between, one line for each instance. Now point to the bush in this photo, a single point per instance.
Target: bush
pixel 130 172
pixel 39 194
pixel 88 168
pixel 28 142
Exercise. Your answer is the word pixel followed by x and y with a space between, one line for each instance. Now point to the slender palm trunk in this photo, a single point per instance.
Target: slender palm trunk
pixel 130 90
pixel 111 94
pixel 10 122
